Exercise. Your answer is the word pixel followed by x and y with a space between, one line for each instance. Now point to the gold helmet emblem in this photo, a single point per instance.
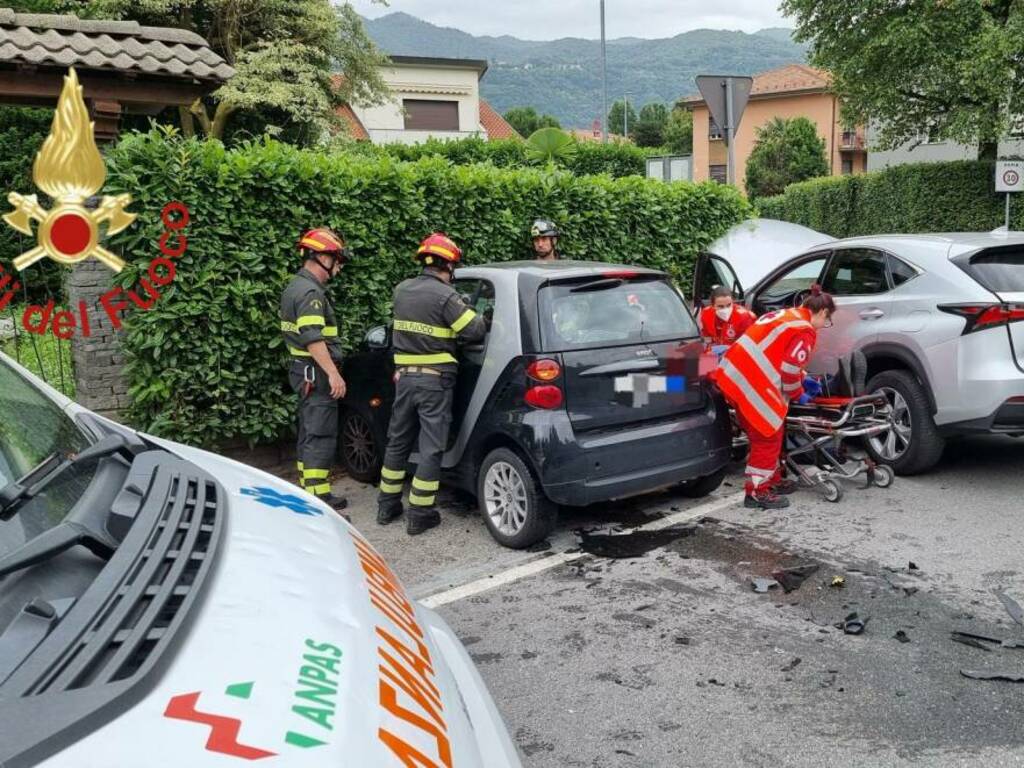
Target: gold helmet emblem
pixel 69 168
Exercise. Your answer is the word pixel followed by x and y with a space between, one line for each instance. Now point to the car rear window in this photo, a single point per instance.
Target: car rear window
pixel 612 313
pixel 1000 270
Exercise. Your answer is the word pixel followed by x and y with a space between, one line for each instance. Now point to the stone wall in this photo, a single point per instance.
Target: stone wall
pixel 99 382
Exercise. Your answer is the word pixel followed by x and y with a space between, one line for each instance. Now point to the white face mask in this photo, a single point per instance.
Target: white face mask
pixel 724 314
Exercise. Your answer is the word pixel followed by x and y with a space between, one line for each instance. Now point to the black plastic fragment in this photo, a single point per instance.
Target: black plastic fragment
pixel 1010 677
pixel 792 578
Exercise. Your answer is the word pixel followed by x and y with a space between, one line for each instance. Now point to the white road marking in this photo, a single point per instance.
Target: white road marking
pixel 548 562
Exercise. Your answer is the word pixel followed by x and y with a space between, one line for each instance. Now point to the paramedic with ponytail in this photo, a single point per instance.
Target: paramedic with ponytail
pixel 759 376
pixel 724 321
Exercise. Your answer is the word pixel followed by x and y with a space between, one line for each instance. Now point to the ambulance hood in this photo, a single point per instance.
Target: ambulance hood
pixel 305 651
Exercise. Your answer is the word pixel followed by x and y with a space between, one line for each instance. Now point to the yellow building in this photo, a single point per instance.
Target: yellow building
pixel 795 90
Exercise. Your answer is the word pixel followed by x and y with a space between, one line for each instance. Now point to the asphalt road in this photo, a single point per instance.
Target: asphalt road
pixel 635 638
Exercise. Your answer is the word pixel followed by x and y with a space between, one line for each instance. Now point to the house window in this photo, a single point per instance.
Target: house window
pixel 847 166
pixel 714 132
pixel 424 115
pixel 717 173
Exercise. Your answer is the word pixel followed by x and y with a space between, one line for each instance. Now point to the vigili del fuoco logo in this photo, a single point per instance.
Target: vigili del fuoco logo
pixel 70 169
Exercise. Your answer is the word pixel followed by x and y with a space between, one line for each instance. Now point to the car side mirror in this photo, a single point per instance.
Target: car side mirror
pixel 378 337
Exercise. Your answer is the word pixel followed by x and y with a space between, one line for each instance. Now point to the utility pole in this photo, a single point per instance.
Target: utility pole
pixel 604 82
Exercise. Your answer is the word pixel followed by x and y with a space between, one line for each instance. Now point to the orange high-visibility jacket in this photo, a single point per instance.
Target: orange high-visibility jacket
pixel 716 332
pixel 763 370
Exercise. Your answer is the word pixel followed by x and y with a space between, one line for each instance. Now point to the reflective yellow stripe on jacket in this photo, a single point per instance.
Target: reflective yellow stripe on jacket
pixel 464 319
pixel 408 326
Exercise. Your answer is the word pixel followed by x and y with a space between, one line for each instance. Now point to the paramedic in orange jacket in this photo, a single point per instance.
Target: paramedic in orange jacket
pixel 760 374
pixel 724 321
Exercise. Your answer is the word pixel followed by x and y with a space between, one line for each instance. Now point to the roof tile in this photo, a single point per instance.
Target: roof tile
pixel 99 44
pixel 790 78
pixel 497 127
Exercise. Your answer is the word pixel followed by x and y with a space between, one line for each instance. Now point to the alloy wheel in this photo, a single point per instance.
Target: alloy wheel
pixel 505 498
pixel 891 445
pixel 360 449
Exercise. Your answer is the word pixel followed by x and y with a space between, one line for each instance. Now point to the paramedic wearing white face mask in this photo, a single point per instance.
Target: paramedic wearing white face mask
pixel 724 321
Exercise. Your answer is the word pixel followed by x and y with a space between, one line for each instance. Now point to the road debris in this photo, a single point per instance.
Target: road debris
pixel 791 578
pixel 1010 677
pixel 901 636
pixel 792 665
pixel 838 581
pixel 852 624
pixel 913 566
pixel 1012 606
pixel 962 637
pixel 762 585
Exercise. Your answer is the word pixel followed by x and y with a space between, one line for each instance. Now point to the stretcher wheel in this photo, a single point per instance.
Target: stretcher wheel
pixel 832 490
pixel 883 476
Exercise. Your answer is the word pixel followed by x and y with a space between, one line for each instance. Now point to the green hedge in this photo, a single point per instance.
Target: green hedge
pixel 591 157
pixel 923 197
pixel 22 131
pixel 206 364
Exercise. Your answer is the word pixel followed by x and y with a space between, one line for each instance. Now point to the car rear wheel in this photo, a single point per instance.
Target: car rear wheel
pixel 514 507
pixel 702 486
pixel 359 449
pixel 913 445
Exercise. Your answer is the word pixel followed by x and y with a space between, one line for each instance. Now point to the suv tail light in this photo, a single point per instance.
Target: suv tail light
pixel 544 396
pixel 982 316
pixel 544 370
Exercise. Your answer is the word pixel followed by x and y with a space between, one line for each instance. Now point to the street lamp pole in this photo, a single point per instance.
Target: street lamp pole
pixel 604 82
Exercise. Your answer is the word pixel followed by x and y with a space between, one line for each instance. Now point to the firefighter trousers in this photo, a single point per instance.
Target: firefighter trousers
pixel 423 408
pixel 318 426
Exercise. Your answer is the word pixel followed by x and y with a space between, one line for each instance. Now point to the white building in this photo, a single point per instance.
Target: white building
pixel 932 150
pixel 433 98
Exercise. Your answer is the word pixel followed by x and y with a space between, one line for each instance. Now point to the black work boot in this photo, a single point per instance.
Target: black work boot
pixel 337 503
pixel 388 510
pixel 765 498
pixel 422 520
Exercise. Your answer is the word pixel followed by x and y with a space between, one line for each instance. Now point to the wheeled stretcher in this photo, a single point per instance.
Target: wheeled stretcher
pixel 824 443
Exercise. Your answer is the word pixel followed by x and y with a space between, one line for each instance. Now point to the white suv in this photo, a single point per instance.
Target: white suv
pixel 939 319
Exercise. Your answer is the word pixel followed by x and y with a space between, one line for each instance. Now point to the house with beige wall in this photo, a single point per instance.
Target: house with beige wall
pixel 431 98
pixel 795 90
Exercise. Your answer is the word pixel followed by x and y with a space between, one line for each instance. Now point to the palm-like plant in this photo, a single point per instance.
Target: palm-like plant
pixel 550 146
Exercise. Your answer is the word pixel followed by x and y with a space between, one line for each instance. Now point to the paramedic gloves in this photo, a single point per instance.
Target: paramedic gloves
pixel 720 349
pixel 812 386
pixel 804 399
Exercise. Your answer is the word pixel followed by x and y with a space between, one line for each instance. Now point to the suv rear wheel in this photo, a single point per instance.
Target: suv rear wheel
pixel 514 507
pixel 913 445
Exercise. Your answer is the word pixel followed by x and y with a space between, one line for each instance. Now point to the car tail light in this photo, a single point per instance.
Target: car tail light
pixel 620 274
pixel 544 370
pixel 544 396
pixel 982 316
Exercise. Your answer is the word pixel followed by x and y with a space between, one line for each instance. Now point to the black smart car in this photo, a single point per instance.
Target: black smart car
pixel 587 388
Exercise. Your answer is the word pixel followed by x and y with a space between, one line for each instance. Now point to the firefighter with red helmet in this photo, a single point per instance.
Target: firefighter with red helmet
pixel 310 330
pixel 429 318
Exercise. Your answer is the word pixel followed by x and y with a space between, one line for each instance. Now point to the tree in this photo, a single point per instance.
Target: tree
pixel 550 145
pixel 526 121
pixel 618 115
pixel 678 134
pixel 954 67
pixel 284 53
pixel 650 126
pixel 786 151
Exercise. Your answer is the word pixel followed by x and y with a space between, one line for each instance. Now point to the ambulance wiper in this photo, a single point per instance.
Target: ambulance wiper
pixel 15 494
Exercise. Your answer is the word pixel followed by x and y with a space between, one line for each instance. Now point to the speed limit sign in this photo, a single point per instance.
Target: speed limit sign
pixel 1010 176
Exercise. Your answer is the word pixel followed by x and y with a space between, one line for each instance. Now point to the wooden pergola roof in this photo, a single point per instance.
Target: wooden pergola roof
pixel 122 65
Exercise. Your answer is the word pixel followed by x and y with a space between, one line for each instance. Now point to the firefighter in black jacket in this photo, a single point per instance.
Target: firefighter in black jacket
pixel 429 315
pixel 310 331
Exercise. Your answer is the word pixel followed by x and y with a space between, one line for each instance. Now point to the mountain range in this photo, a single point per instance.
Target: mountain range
pixel 563 77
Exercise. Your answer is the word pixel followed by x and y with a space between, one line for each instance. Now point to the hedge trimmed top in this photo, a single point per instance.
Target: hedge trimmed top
pixel 206 366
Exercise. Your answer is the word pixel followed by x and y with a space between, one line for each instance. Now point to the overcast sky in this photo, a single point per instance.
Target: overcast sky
pixel 547 20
